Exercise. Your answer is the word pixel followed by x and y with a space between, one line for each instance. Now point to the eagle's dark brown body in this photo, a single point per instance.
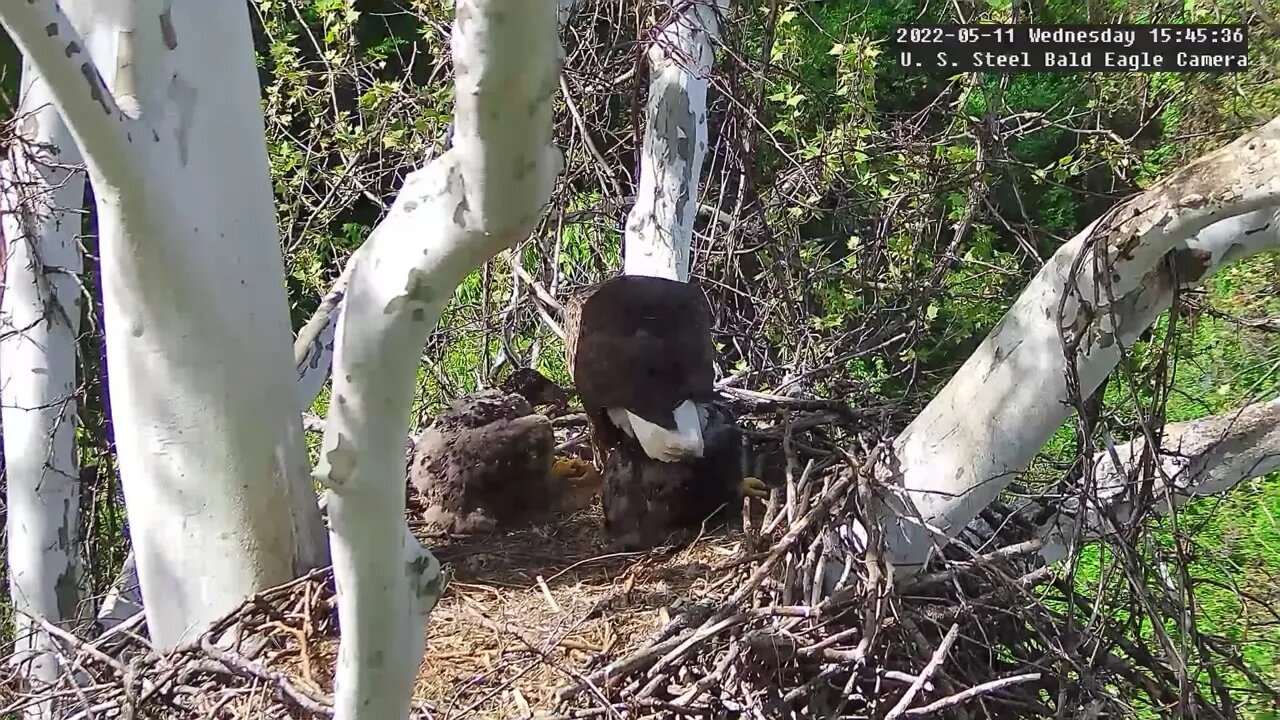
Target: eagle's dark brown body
pixel 640 343
pixel 644 344
pixel 484 464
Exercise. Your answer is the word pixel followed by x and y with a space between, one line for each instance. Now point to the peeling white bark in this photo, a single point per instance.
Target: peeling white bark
pixel 42 206
pixel 124 600
pixel 313 354
pixel 659 230
pixel 480 197
pixel 313 348
pixel 999 409
pixel 209 439
pixel 1196 459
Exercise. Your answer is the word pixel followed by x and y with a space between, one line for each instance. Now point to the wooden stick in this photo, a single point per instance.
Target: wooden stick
pixel 938 656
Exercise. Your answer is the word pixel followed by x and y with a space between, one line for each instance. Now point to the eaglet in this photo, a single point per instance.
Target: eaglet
pixel 484 464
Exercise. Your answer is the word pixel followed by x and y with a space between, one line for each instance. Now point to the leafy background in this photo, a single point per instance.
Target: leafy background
pixel 861 229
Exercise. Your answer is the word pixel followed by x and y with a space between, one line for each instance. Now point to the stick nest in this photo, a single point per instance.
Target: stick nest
pixel 539 623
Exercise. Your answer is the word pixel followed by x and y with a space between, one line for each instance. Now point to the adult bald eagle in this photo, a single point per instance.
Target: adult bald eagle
pixel 649 502
pixel 485 462
pixel 641 355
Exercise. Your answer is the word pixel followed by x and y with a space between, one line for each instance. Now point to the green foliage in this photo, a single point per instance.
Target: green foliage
pixel 1233 541
pixel 346 119
pixel 888 219
pixel 10 70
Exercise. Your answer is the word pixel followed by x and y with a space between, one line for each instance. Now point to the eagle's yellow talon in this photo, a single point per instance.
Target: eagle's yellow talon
pixel 573 469
pixel 754 487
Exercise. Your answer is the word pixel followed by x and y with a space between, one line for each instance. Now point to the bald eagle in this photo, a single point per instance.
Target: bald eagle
pixel 641 355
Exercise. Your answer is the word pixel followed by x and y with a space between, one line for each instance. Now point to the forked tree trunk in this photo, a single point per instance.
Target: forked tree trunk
pixel 1008 398
pixel 483 195
pixel 42 206
pixel 209 440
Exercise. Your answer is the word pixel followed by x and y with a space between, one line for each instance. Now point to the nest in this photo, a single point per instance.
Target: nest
pixel 736 623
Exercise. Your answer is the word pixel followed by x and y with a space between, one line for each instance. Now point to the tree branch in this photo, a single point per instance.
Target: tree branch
pixel 49 41
pixel 1197 459
pixel 313 348
pixel 1012 394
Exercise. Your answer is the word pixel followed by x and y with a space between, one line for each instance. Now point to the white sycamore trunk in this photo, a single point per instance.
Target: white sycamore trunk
pixel 313 355
pixel 659 231
pixel 313 347
pixel 209 439
pixel 1009 397
pixel 42 208
pixel 1196 459
pixel 483 195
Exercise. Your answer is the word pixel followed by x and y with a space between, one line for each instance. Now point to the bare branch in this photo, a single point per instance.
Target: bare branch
pixel 49 41
pixel 1197 459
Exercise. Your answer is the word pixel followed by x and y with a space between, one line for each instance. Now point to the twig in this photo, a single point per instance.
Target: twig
pixel 760 401
pixel 973 692
pixel 240 665
pixel 546 594
pixel 938 656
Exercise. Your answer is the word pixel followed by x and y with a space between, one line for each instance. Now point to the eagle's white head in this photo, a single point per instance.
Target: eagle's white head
pixel 659 443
